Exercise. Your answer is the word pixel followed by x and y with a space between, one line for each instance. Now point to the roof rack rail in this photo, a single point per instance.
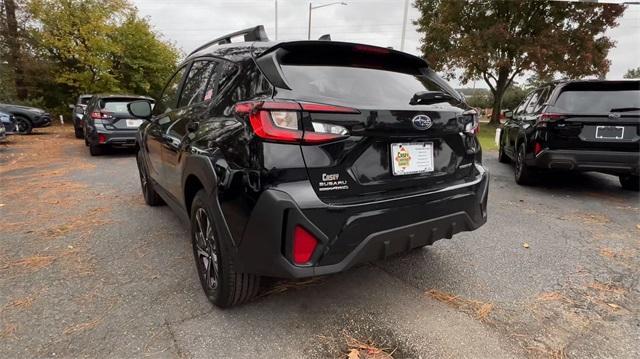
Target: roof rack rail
pixel 251 34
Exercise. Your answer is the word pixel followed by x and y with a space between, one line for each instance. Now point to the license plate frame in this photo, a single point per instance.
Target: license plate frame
pixel 409 158
pixel 601 136
pixel 133 123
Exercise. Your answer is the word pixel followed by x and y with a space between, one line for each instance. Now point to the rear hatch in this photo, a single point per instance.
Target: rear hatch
pixel 115 115
pixel 404 125
pixel 595 115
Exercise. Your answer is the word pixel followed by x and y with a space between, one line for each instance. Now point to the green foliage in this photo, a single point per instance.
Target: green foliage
pixel 90 46
pixel 497 40
pixel 632 73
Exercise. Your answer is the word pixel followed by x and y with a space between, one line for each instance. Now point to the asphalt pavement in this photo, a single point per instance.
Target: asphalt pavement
pixel 88 270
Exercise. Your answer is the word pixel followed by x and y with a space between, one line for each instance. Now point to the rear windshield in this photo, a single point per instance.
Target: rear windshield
pixel 118 106
pixel 363 86
pixel 599 99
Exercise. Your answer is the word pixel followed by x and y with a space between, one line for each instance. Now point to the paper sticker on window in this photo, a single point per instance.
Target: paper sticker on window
pixel 208 95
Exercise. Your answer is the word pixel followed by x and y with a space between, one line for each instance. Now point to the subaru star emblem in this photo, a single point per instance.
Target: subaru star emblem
pixel 421 122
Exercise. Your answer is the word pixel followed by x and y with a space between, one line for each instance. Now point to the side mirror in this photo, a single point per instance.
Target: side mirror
pixel 79 110
pixel 140 109
pixel 508 114
pixel 71 106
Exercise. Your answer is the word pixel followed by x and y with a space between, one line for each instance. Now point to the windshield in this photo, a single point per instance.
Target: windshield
pixel 589 100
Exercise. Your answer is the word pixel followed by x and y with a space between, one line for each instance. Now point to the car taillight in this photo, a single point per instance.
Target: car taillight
pixel 97 115
pixel 546 118
pixel 470 122
pixel 280 121
pixel 304 244
pixel 102 138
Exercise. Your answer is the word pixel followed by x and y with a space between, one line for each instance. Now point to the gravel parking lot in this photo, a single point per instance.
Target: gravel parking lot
pixel 88 270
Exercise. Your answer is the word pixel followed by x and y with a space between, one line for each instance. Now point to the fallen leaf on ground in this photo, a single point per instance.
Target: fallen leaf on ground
pixel 526 245
pixel 614 306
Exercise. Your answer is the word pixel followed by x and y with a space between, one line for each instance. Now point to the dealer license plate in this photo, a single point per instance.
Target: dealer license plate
pixel 411 158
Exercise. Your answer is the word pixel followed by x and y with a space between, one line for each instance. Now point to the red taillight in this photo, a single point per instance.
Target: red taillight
pixel 264 127
pixel 102 138
pixel 100 115
pixel 371 49
pixel 547 117
pixel 265 116
pixel 304 244
pixel 317 107
pixel 537 148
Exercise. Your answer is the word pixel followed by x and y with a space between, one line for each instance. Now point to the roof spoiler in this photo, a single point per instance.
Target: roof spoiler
pixel 251 34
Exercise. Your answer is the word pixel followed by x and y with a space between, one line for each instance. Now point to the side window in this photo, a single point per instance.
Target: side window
pixel 224 71
pixel 544 97
pixel 533 102
pixel 196 83
pixel 169 98
pixel 522 105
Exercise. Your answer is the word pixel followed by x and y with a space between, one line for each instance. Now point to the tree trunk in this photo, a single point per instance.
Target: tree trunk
pixel 13 42
pixel 500 88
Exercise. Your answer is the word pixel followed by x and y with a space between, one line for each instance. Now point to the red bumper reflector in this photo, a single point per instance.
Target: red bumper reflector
pixel 102 138
pixel 304 244
pixel 537 148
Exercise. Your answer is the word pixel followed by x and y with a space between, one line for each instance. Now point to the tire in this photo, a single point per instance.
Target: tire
pixel 502 157
pixel 23 125
pixel 151 197
pixel 212 253
pixel 523 173
pixel 78 132
pixel 630 182
pixel 96 150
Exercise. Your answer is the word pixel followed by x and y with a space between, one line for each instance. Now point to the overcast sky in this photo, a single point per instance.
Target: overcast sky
pixel 190 23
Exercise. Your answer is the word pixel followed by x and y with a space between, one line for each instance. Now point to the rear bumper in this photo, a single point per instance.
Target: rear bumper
pixel 354 234
pixel 579 160
pixel 124 138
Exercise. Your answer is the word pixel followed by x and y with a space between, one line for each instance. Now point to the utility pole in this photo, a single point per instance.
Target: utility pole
pixel 311 7
pixel 404 24
pixel 276 20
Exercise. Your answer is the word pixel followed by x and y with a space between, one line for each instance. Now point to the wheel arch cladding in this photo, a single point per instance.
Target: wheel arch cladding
pixel 198 174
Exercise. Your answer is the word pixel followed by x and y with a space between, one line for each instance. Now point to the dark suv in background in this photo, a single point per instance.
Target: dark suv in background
pixel 107 122
pixel 303 158
pixel 590 125
pixel 27 118
pixel 78 114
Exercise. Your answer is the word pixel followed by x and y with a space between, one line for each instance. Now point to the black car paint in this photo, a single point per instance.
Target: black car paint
pixel 256 185
pixel 570 144
pixel 35 116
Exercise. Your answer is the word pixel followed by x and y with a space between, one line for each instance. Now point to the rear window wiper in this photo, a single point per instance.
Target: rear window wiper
pixel 625 109
pixel 426 97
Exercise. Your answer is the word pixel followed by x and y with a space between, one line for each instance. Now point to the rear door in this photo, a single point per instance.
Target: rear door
pixel 192 107
pixel 164 113
pixel 402 138
pixel 597 115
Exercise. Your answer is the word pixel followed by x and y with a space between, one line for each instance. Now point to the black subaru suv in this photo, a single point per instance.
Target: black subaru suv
pixel 590 125
pixel 107 123
pixel 303 158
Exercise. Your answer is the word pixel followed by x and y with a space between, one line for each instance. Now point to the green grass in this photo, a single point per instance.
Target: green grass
pixel 487 137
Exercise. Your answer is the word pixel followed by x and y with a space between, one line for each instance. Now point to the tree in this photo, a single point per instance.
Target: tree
pixel 499 40
pixel 11 38
pixel 93 46
pixel 632 73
